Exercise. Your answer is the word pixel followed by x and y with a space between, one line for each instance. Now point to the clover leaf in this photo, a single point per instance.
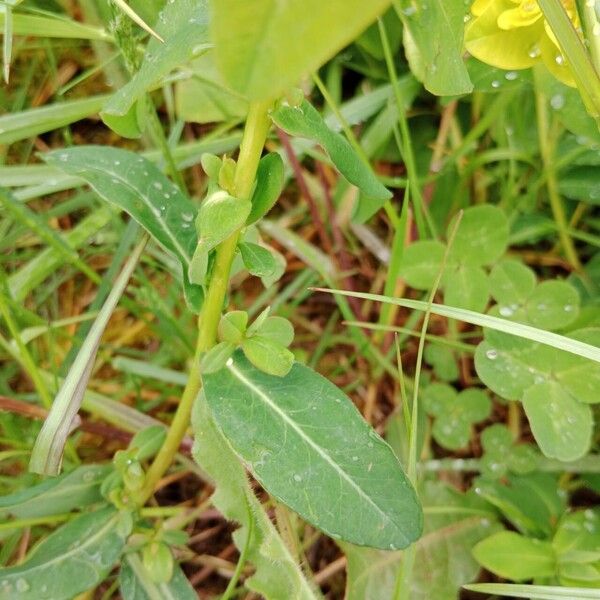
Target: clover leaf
pixel 501 455
pixel 481 239
pixel 554 386
pixel 443 361
pixel 455 413
pixel 549 305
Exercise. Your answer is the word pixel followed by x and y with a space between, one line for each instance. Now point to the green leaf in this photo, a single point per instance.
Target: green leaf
pixel 433 37
pixel 270 178
pixel 277 329
pixel 214 360
pixel 306 443
pixel 158 561
pixel 204 97
pixel 71 560
pixel 184 27
pixel 276 574
pixel 257 44
pixel 135 583
pixel 138 187
pixel 516 557
pixel 443 361
pixel 258 260
pixel 532 502
pixel 511 282
pixel 147 442
pixel 47 453
pixel 421 263
pixel 267 355
pixel 232 326
pixel 219 216
pixel 466 286
pixel 28 123
pixel 305 121
pixel 482 235
pixel 62 494
pixel 553 305
pixel 455 413
pixel 562 426
pixel 443 560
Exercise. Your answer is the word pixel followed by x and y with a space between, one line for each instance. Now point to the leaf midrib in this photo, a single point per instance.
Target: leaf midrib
pixel 284 417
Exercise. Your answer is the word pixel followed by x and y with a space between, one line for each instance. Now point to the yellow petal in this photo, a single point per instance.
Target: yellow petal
pixel 519 17
pixel 505 49
pixel 555 62
pixel 479 6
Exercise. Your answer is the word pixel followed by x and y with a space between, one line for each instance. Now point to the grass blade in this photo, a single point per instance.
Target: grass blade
pixel 46 457
pixel 560 342
pixel 540 592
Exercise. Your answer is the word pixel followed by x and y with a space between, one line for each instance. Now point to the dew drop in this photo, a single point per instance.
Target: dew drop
pixel 22 585
pixel 506 311
pixel 187 216
pixel 559 59
pixel 297 477
pixel 534 51
pixel 491 354
pixel 511 75
pixel 495 84
pixel 557 101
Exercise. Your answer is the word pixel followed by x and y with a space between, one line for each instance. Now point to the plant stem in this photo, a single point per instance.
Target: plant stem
pixel 547 152
pixel 255 134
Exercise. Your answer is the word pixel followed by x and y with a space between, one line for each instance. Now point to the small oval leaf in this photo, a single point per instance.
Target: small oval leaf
pixel 305 121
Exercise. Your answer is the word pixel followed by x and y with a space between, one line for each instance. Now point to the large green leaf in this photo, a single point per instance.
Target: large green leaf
pixel 433 37
pixel 184 27
pixel 137 186
pixel 73 559
pixel 135 583
pixel 203 97
pixel 307 444
pixel 443 560
pixel 305 121
pixel 56 495
pixel 264 47
pixel 277 575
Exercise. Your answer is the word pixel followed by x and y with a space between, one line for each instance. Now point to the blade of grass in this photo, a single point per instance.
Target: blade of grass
pixel 7 42
pixel 548 338
pixel 46 457
pixel 540 592
pixel 137 19
pixel 572 47
pixel 403 581
pixel 35 223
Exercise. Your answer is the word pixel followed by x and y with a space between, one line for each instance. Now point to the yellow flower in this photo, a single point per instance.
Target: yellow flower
pixel 513 34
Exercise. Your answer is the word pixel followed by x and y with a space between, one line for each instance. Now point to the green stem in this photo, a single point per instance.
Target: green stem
pixel 405 141
pixel 547 143
pixel 159 138
pixel 255 134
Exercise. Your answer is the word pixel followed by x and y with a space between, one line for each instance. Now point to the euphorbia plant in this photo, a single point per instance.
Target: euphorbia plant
pixel 297 433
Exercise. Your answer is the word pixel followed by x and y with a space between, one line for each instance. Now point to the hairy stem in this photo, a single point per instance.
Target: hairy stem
pixel 255 134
